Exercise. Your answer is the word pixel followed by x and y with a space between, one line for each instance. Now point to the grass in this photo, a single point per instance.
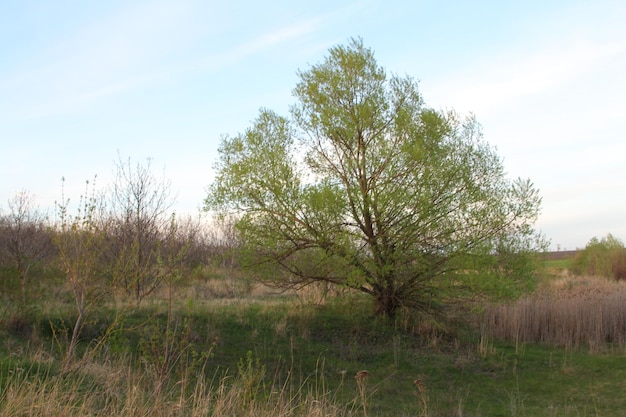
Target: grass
pixel 242 351
pixel 563 264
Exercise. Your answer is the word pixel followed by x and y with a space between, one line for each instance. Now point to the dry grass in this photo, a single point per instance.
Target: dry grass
pixel 95 391
pixel 573 312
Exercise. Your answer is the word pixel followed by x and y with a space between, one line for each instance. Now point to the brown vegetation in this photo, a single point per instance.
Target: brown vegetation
pixel 570 312
pixel 120 393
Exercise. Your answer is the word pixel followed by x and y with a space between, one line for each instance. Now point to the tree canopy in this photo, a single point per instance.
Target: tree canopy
pixel 365 186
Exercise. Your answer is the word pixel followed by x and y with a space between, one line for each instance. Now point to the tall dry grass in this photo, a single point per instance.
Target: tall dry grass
pixel 580 312
pixel 106 389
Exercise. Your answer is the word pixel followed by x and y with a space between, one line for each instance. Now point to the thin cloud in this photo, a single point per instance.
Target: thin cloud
pixel 555 47
pixel 506 79
pixel 114 56
pixel 263 42
pixel 108 56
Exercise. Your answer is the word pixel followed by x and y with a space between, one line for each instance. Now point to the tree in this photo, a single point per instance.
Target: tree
pixel 367 187
pixel 24 238
pixel 80 240
pixel 141 227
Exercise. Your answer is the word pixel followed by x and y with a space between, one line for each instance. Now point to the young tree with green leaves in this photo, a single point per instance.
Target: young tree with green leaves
pixel 367 187
pixel 80 238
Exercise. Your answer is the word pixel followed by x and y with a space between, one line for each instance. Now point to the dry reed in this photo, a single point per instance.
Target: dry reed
pixel 570 312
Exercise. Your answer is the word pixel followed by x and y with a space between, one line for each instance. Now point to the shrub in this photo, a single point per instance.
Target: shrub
pixel 604 257
pixel 618 265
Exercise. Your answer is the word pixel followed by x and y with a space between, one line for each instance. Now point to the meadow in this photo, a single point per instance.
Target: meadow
pixel 220 345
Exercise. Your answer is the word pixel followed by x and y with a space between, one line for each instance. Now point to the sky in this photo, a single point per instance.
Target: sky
pixel 83 84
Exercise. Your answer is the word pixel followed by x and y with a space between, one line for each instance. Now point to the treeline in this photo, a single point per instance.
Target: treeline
pixel 125 239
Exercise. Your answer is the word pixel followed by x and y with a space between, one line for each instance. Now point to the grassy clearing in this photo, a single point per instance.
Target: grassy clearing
pixel 229 349
pixel 558 264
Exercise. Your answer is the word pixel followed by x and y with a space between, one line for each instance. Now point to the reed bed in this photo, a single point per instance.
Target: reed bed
pixel 575 313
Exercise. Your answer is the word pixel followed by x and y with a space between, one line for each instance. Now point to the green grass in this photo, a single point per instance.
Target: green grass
pixel 276 346
pixel 559 264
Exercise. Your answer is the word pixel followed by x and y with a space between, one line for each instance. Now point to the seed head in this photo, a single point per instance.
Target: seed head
pixel 361 375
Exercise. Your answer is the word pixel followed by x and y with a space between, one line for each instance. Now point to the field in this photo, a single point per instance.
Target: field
pixel 221 346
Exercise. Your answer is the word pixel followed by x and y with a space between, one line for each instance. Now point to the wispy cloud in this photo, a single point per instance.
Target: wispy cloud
pixel 132 49
pixel 262 42
pixel 554 47
pixel 507 78
pixel 111 55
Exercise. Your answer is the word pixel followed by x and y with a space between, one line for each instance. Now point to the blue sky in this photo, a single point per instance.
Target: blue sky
pixel 81 82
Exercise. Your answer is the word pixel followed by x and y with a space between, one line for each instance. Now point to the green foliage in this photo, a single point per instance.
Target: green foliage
pixel 9 284
pixel 367 187
pixel 602 257
pixel 618 265
pixel 79 240
pixel 167 352
pixel 250 377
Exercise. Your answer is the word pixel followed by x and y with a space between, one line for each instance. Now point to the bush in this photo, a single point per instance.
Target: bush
pixel 618 265
pixel 605 257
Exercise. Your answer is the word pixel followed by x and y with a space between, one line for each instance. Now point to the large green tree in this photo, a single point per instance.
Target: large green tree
pixel 365 186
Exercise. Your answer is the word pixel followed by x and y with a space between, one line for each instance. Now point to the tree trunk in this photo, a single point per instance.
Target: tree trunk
pixel 387 303
pixel 22 275
pixel 71 350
